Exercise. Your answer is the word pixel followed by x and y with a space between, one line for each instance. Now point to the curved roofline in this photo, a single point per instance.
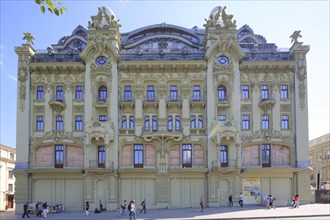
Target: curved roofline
pixel 162 25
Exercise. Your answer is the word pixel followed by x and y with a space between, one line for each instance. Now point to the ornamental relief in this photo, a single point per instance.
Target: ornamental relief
pixel 78 109
pixel 98 131
pixel 57 137
pixel 39 109
pixel 268 135
pixel 105 69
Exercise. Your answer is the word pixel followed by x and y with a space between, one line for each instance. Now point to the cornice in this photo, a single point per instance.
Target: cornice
pixel 162 67
pixel 57 68
pixel 267 66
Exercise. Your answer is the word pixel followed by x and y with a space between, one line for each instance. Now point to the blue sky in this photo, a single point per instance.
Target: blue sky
pixel 275 20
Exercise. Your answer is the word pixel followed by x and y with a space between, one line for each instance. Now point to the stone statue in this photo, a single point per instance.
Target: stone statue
pixel 28 37
pixel 295 36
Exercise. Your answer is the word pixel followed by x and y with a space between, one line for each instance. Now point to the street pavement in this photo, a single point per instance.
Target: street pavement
pixel 309 211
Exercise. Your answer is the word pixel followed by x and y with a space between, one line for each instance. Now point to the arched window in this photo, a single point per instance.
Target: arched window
pixel 102 94
pixel 222 93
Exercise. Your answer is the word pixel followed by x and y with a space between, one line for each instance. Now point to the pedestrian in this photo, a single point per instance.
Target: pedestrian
pixel 123 208
pixel 45 209
pixel 25 208
pixel 87 208
pixel 132 210
pixel 296 201
pixel 202 205
pixel 240 201
pixel 143 204
pixel 230 198
pixel 101 205
pixel 270 202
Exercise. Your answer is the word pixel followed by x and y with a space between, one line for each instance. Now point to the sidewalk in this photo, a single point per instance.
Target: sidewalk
pixel 321 211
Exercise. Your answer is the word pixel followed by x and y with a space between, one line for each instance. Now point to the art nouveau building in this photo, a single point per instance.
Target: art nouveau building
pixel 164 113
pixel 7 179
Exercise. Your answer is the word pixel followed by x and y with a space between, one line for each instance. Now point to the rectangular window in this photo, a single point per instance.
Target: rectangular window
pixel 123 122
pixel 150 93
pixel 10 187
pixel 138 155
pixel 40 123
pixel 101 157
pixel 223 156
pixel 59 123
pixel 245 92
pixel 127 93
pixel 59 156
pixel 173 93
pixel 59 93
pixel 186 155
pixel 177 123
pixel 284 92
pixel 196 93
pixel 245 122
pixel 131 122
pixel 102 118
pixel 264 92
pixel 170 123
pixel 265 149
pixel 192 121
pixel 12 156
pixel 285 122
pixel 221 118
pixel 147 123
pixel 40 92
pixel 154 123
pixel 265 122
pixel 79 123
pixel 79 93
pixel 10 174
pixel 200 121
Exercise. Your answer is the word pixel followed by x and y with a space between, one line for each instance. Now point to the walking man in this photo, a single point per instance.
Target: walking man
pixel 143 204
pixel 25 208
pixel 230 198
pixel 240 201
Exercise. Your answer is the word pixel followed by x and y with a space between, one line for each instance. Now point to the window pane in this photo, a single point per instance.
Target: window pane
pixel 79 123
pixel 174 93
pixel 245 91
pixel 196 93
pixel 265 155
pixel 102 94
pixel 127 93
pixel 264 92
pixel 284 92
pixel 124 122
pixel 170 123
pixel 101 157
pixel 221 118
pixel 59 123
pixel 102 118
pixel 154 123
pixel 59 156
pixel 223 155
pixel 59 93
pixel 245 122
pixel 79 93
pixel 147 123
pixel 222 93
pixel 200 121
pixel 131 122
pixel 40 123
pixel 186 155
pixel 265 122
pixel 192 122
pixel 40 92
pixel 285 122
pixel 138 155
pixel 150 93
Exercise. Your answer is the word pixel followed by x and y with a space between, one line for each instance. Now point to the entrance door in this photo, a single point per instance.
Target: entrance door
pixel 224 192
pixel 100 194
pixel 10 202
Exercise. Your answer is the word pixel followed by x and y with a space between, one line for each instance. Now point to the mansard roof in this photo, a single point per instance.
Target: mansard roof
pixel 162 42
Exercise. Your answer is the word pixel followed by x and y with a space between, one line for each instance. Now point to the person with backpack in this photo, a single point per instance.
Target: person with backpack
pixel 132 210
pixel 143 204
pixel 123 208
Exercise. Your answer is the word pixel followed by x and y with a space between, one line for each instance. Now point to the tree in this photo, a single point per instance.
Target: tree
pixel 53 6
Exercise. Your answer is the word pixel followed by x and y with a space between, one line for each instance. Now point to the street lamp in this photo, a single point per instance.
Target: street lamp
pixel 318 175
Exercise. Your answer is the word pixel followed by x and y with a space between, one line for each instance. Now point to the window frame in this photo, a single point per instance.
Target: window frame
pixel 245 92
pixel 39 123
pixel 102 93
pixel 200 121
pixel 174 93
pixel 128 93
pixel 222 118
pixel 124 122
pixel 170 123
pixel 59 93
pixel 102 118
pixel 177 125
pixel 131 122
pixel 223 156
pixel 222 93
pixel 154 123
pixel 40 93
pixel 192 121
pixel 284 91
pixel 196 93
pixel 266 155
pixel 147 123
pixel 245 122
pixel 138 159
pixel 265 122
pixel 59 124
pixel 79 93
pixel 59 156
pixel 101 156
pixel 151 93
pixel 78 122
pixel 264 92
pixel 285 122
pixel 186 155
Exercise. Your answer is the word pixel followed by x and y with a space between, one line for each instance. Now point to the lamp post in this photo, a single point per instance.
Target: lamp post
pixel 318 175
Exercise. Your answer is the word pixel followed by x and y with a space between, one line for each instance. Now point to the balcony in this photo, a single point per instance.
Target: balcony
pixel 150 101
pixel 267 103
pixel 173 101
pixel 197 101
pixel 197 131
pixel 229 166
pixel 94 166
pixel 101 102
pixel 162 131
pixel 126 131
pixel 57 103
pixel 126 101
pixel 223 101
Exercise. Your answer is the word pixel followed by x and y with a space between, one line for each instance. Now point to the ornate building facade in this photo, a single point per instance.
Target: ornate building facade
pixel 319 156
pixel 7 179
pixel 162 113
